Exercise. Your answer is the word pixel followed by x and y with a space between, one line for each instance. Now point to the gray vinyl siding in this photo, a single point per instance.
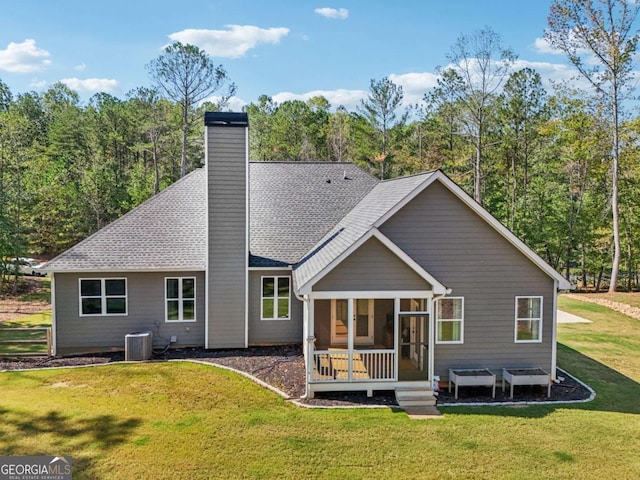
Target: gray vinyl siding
pixel 145 311
pixel 227 235
pixel 372 267
pixel 467 255
pixel 272 332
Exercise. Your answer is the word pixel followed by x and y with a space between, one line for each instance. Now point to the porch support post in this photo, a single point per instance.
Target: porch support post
pixel 308 342
pixel 396 335
pixel 432 340
pixel 350 335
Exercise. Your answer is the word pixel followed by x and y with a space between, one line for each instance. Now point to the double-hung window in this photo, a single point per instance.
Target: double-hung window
pixel 103 296
pixel 528 320
pixel 450 320
pixel 180 299
pixel 275 300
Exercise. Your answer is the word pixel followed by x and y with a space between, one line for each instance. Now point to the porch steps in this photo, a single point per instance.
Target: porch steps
pixel 414 395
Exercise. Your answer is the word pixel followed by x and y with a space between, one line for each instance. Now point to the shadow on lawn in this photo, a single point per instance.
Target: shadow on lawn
pixel 615 392
pixel 85 440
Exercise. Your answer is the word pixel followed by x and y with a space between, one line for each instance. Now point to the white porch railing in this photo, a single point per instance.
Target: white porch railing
pixel 335 365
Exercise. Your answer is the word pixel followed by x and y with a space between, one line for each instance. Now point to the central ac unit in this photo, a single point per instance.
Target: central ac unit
pixel 138 346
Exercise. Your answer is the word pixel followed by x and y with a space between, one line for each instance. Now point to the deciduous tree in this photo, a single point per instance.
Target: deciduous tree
pixel 187 76
pixel 479 65
pixel 600 39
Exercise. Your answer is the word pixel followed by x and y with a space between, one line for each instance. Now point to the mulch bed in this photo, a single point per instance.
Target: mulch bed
pixel 566 390
pixel 283 367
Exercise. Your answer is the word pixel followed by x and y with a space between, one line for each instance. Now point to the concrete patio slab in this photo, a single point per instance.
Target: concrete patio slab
pixel 566 317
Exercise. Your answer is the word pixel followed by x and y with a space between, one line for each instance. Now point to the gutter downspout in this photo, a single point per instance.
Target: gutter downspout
pixel 308 340
pixel 554 333
pixel 54 336
pixel 432 335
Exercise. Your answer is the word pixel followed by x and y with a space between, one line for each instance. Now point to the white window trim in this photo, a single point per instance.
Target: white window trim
pixel 439 321
pixel 275 298
pixel 103 298
pixel 515 330
pixel 180 301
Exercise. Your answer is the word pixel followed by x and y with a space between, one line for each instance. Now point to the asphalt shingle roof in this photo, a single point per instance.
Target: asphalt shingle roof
pixel 357 222
pixel 293 204
pixel 166 232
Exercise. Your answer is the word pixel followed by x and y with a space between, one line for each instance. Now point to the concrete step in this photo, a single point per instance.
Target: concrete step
pixel 415 395
pixel 423 402
pixel 423 413
pixel 412 385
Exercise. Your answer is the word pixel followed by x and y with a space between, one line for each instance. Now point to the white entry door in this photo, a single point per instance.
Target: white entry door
pixel 363 321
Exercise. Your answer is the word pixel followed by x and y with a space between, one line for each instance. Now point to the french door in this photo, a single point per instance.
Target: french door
pixel 363 321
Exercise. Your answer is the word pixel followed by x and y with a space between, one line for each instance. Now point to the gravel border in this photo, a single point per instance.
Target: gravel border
pixel 625 309
pixel 281 369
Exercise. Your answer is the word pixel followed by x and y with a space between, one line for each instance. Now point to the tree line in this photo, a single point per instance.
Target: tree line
pixel 559 168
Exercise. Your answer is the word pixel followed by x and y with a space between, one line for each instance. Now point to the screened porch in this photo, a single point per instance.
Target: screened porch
pixel 377 345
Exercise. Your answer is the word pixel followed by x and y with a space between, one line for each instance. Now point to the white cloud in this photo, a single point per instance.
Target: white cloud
pixel 234 42
pixel 234 104
pixel 553 73
pixel 542 46
pixel 350 99
pixel 37 83
pixel 337 13
pixel 414 85
pixel 80 67
pixel 24 57
pixel 91 84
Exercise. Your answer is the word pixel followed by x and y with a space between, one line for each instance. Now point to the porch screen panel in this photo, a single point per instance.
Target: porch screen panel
pixel 362 312
pixel 341 325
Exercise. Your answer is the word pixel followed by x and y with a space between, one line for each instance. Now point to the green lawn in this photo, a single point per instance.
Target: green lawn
pixel 36 320
pixel 183 420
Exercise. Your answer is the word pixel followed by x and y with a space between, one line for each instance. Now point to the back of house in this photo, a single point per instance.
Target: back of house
pixel 380 282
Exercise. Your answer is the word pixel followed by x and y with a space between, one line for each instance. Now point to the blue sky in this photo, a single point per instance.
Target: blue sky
pixel 285 49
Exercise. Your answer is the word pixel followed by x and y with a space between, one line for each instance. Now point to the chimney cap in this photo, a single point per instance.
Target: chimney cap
pixel 226 119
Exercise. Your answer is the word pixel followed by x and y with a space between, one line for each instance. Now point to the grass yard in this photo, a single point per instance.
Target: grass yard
pixel 10 330
pixel 30 310
pixel 184 420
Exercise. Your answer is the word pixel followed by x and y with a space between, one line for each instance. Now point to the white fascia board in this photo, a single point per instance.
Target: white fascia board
pixel 377 294
pixel 438 288
pixel 261 269
pixel 563 284
pixel 119 271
